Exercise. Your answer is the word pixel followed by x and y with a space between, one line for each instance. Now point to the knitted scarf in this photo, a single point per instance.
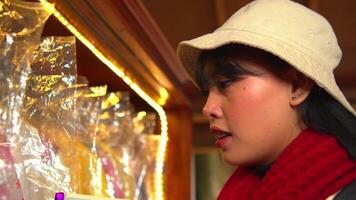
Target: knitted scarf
pixel 314 166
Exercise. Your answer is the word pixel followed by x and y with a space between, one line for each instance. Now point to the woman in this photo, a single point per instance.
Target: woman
pixel 273 104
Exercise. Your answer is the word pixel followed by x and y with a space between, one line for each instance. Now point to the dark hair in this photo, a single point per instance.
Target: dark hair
pixel 320 111
pixel 225 63
pixel 323 113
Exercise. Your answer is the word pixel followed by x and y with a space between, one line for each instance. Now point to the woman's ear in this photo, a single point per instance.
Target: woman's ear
pixel 301 87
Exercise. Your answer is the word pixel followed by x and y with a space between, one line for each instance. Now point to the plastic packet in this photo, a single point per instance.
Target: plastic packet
pixel 117 116
pixel 92 178
pixel 115 137
pixel 9 184
pixel 49 112
pixel 144 124
pixel 22 21
pixel 146 182
pixel 21 24
pixel 123 146
pixel 143 152
pixel 88 113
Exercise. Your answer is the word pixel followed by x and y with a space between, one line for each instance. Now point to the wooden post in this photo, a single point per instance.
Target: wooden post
pixel 178 158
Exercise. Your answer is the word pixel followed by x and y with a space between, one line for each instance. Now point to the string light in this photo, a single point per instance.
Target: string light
pixel 163 96
pixel 118 70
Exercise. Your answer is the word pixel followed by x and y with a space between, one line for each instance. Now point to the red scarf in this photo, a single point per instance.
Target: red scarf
pixel 314 166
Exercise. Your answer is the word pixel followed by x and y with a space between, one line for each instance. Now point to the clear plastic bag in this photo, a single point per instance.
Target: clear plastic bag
pixel 145 186
pixel 92 178
pixel 115 137
pixel 124 136
pixel 143 153
pixel 9 184
pixel 21 24
pixel 49 116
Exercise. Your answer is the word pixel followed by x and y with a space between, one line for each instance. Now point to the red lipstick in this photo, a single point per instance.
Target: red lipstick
pixel 222 137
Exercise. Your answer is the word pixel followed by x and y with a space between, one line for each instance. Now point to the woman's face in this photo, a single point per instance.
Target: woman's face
pixel 250 114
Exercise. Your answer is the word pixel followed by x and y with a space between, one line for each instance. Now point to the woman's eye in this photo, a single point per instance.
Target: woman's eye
pixel 222 84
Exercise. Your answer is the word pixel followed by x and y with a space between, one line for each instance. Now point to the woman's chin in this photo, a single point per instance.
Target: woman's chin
pixel 231 161
pixel 236 161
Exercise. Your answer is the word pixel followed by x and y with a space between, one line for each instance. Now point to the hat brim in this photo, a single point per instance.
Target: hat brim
pixel 189 52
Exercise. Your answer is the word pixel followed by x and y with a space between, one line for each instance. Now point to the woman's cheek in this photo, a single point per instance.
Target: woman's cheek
pixel 250 92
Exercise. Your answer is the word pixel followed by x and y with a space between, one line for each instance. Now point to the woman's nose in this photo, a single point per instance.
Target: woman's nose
pixel 212 108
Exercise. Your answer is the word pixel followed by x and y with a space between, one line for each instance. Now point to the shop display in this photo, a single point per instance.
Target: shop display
pixel 21 25
pixel 123 139
pixel 49 114
pixel 57 134
pixel 145 146
pixel 114 135
pixel 92 179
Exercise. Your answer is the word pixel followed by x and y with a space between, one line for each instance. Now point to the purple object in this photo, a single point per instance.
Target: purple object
pixel 59 196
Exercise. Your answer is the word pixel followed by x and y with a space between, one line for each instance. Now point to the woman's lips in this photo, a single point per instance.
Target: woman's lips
pixel 221 143
pixel 222 137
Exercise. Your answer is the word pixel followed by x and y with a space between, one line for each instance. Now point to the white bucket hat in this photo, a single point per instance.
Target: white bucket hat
pixel 284 28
